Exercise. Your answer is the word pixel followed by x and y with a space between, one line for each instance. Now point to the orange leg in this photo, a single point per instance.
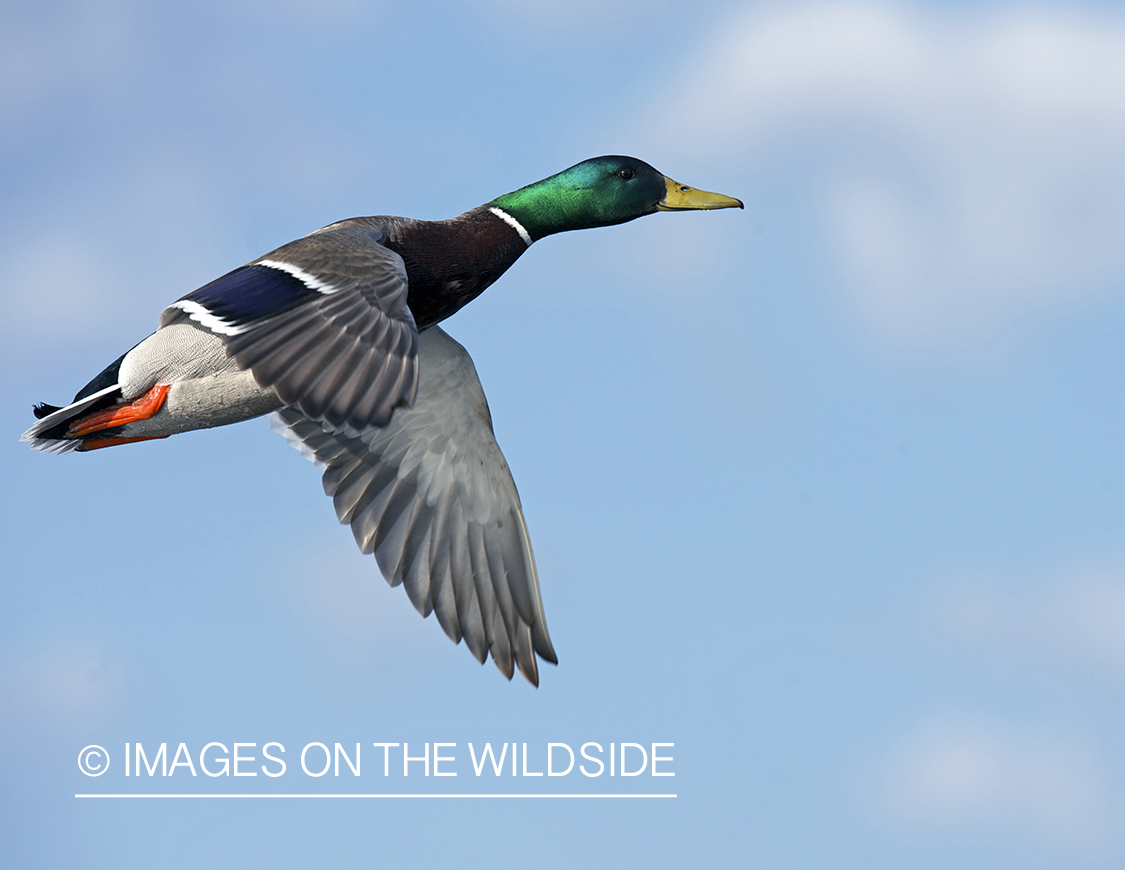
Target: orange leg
pixel 98 443
pixel 127 412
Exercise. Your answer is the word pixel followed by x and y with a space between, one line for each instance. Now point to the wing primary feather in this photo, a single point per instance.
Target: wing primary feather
pixel 302 377
pixel 255 348
pixel 502 646
pixel 516 566
pixel 390 550
pixel 336 473
pixel 439 549
pixel 500 587
pixel 416 579
pixel 354 387
pixel 405 383
pixel 482 580
pixel 525 657
pixel 325 392
pixel 464 594
pixel 417 543
pixel 441 595
pixel 354 492
pixel 371 511
pixel 387 513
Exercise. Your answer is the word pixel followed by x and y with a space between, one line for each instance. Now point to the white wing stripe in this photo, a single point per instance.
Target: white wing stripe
pixel 206 319
pixel 310 281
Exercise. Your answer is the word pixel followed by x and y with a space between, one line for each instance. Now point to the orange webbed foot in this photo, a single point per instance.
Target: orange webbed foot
pixel 141 408
pixel 98 443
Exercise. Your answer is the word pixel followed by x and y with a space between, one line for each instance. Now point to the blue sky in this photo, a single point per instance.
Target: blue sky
pixel 827 493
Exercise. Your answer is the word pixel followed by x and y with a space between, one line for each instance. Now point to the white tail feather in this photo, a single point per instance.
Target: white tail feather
pixel 59 445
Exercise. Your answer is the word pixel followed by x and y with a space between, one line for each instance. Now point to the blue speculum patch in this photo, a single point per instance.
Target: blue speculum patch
pixel 251 294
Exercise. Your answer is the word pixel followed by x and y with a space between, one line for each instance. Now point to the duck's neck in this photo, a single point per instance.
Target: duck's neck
pixel 450 263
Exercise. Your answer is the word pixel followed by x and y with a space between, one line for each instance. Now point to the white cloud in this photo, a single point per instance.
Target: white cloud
pixel 574 15
pixel 968 162
pixel 959 774
pixel 57 49
pixel 1079 619
pixel 65 687
pixel 951 775
pixel 105 272
pixel 99 253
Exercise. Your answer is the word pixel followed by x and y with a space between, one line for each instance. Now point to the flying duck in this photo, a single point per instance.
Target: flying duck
pixel 335 335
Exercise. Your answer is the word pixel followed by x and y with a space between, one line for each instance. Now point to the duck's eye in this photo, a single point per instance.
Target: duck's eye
pixel 625 173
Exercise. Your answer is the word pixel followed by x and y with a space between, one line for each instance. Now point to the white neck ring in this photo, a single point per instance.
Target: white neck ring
pixel 513 223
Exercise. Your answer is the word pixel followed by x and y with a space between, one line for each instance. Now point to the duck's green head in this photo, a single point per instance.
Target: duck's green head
pixel 599 193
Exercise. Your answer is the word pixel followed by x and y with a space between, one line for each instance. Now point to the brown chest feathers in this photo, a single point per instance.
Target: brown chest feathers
pixel 450 263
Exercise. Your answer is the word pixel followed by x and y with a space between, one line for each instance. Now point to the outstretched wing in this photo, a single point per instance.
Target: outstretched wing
pixel 432 497
pixel 322 320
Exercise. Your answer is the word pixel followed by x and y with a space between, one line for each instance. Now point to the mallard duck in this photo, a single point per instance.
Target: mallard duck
pixel 336 335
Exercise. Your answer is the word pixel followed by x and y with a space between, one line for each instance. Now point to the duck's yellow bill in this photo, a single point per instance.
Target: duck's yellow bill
pixel 680 197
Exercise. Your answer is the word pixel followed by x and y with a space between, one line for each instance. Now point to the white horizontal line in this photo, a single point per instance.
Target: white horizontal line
pixel 159 795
